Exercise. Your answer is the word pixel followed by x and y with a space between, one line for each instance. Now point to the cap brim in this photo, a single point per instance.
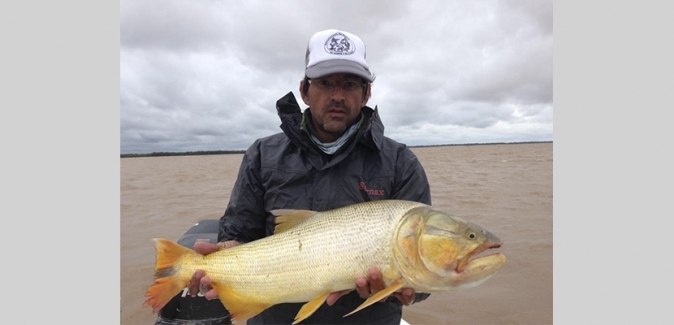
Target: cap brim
pixel 338 66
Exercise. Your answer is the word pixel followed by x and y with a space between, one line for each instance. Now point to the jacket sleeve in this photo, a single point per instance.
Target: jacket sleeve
pixel 411 184
pixel 245 217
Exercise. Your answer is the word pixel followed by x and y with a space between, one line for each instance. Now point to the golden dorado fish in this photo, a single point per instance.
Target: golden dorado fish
pixel 312 254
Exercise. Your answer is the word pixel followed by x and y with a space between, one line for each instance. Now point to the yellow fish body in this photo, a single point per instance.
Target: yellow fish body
pixel 313 254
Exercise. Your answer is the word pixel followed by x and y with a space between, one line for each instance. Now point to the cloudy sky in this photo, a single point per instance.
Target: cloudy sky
pixel 205 75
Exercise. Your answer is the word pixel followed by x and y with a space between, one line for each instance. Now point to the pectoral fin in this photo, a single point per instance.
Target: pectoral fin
pixel 310 307
pixel 395 286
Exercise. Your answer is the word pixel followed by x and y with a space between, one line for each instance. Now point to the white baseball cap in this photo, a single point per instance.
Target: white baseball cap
pixel 334 51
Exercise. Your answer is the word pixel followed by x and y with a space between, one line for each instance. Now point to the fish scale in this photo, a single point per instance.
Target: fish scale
pixel 269 273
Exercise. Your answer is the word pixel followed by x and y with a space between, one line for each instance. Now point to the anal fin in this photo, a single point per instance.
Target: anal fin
pixel 240 307
pixel 310 307
pixel 395 286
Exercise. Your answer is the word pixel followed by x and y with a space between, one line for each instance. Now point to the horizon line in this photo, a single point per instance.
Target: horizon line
pixel 239 151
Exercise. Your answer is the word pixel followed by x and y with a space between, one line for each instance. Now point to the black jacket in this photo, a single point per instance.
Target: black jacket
pixel 287 171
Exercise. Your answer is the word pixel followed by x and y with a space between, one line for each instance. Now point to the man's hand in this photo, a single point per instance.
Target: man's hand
pixel 367 287
pixel 199 282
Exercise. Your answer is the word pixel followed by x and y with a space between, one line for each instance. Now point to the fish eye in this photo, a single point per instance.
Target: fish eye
pixel 472 235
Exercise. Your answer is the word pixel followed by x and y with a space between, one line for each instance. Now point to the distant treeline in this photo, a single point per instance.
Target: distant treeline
pixel 226 152
pixel 188 153
pixel 478 144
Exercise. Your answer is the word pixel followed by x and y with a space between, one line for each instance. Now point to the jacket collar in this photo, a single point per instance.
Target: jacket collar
pixel 371 133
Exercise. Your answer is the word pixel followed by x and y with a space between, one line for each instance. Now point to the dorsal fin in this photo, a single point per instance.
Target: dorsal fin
pixel 288 218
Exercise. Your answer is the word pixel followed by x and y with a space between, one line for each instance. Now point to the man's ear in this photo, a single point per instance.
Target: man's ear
pixel 366 96
pixel 305 97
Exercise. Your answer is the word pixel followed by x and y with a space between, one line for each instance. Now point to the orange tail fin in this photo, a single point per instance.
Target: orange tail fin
pixel 170 275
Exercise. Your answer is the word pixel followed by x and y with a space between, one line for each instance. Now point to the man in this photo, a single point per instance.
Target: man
pixel 331 155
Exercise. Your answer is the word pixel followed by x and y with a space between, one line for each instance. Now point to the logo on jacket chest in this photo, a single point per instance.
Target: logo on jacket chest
pixel 370 192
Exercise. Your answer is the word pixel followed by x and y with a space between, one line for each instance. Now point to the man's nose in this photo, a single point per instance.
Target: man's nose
pixel 337 93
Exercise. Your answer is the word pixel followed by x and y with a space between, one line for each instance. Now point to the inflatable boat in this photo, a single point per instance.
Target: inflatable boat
pixel 184 309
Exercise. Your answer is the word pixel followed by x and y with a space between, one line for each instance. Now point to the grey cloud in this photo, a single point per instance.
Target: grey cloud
pixel 205 75
pixel 171 25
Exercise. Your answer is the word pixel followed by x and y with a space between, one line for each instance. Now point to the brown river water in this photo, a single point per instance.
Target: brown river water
pixel 506 188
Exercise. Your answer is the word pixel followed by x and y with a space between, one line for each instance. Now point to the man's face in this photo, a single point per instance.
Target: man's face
pixel 333 111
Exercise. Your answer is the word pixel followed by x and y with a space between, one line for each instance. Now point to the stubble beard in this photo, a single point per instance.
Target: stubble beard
pixel 335 126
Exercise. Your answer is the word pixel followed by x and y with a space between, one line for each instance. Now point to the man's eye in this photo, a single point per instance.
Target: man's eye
pixel 324 83
pixel 350 85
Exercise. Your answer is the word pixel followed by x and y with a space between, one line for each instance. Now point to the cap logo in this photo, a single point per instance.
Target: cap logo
pixel 339 44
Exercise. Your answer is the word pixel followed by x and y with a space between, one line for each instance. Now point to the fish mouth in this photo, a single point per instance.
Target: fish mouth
pixel 476 258
pixel 480 269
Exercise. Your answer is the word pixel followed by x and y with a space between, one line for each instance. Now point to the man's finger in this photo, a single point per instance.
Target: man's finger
pixel 376 281
pixel 206 288
pixel 193 286
pixel 362 288
pixel 205 248
pixel 406 296
pixel 211 294
pixel 333 297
